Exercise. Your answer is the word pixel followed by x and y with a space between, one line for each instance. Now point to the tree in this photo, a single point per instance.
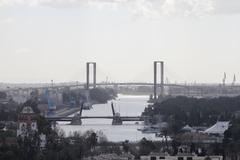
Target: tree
pixel 44 126
pixel 146 147
pixel 166 132
pixel 92 140
pixel 231 140
pixel 33 103
pixel 3 95
pixel 126 146
pixel 181 111
pixel 102 95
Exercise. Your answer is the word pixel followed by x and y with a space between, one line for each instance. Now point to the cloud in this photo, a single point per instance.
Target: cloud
pixel 154 8
pixel 7 20
pixel 23 51
pixel 227 6
pixel 148 8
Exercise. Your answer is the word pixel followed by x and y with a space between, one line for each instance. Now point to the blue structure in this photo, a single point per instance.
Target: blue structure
pixel 51 103
pixel 72 102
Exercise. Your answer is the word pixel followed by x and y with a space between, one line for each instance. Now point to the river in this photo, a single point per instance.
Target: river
pixel 126 105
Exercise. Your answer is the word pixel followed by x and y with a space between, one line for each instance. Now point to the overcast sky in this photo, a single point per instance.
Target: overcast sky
pixel 44 40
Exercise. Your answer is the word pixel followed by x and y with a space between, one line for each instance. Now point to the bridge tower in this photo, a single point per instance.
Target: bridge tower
pixel 76 120
pixel 155 66
pixel 116 117
pixel 94 74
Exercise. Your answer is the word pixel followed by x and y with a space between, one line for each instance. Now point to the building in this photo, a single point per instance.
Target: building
pixel 27 122
pixel 187 128
pixel 218 129
pixel 179 157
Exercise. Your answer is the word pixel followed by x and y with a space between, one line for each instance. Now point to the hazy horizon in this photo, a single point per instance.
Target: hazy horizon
pixel 44 40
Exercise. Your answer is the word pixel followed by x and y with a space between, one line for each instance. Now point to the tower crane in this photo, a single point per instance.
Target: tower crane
pixel 224 78
pixel 234 80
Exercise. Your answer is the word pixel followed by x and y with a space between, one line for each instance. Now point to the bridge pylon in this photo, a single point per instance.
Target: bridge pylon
pixel 88 74
pixel 117 120
pixel 76 120
pixel 155 66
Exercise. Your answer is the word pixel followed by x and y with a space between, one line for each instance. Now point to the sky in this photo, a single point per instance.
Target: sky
pixel 44 40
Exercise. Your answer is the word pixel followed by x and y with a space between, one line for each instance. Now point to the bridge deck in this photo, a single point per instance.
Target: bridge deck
pixel 83 84
pixel 66 112
pixel 123 118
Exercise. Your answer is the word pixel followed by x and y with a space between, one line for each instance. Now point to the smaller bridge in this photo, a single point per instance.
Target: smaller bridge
pixel 77 119
pixel 123 118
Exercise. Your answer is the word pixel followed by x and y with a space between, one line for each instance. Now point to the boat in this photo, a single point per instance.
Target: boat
pixel 160 135
pixel 149 129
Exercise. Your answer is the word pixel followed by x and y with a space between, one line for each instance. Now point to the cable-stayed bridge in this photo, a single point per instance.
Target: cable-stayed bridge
pixel 161 88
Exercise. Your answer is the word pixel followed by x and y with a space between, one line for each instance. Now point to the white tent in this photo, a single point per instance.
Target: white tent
pixel 187 128
pixel 218 128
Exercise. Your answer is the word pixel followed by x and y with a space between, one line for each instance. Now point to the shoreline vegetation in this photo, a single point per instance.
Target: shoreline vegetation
pixel 96 95
pixel 181 111
pixel 102 95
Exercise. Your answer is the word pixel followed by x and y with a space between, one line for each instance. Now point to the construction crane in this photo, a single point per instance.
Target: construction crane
pixel 116 116
pixel 234 80
pixel 224 79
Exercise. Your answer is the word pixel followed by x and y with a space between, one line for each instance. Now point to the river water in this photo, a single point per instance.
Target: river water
pixel 126 105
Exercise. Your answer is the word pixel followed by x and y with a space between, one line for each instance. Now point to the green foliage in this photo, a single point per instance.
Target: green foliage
pixel 44 126
pixel 8 153
pixel 3 95
pixel 8 116
pixel 146 147
pixel 180 111
pixel 5 134
pixel 74 147
pixel 8 112
pixel 97 95
pixel 33 103
pixel 232 137
pixel 102 95
pixel 126 146
pixel 92 140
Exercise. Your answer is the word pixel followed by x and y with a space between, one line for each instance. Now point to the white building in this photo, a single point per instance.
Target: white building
pixel 218 128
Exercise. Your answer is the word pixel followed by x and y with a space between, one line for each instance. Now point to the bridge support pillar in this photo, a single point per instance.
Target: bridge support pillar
pixel 76 120
pixel 162 78
pixel 117 121
pixel 155 66
pixel 94 74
